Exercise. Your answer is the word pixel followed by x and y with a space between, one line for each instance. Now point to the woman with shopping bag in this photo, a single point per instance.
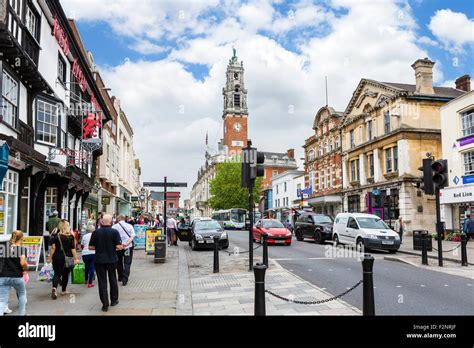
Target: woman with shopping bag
pixel 88 256
pixel 13 273
pixel 64 257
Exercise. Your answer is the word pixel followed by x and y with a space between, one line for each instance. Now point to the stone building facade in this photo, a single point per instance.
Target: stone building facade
pixel 388 129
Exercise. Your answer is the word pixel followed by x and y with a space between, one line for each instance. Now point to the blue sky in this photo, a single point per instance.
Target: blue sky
pixel 166 60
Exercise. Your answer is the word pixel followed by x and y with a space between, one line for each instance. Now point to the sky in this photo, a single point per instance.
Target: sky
pixel 166 62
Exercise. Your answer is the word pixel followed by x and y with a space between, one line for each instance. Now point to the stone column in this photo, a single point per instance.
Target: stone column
pixel 345 176
pixel 362 169
pixel 377 166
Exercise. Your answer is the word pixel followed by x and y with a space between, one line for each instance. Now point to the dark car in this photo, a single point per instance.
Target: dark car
pixel 313 226
pixel 203 232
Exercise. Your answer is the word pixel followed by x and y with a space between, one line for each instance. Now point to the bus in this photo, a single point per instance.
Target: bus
pixel 231 218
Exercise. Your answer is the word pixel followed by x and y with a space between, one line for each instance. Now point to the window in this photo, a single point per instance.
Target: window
pixel 285 185
pixel 328 177
pixel 370 159
pixel 275 173
pixel 32 23
pixel 237 100
pixel 311 179
pixel 352 139
pixel 467 121
pixel 352 224
pixel 388 160
pixel 338 142
pixel 61 69
pixel 311 155
pixel 355 170
pixel 9 99
pixel 469 163
pixel 8 203
pixel 395 158
pixel 386 122
pixel 321 180
pixel 354 204
pixel 370 134
pixel 47 122
pixel 276 188
pixel 50 201
pixel 320 151
pixel 330 146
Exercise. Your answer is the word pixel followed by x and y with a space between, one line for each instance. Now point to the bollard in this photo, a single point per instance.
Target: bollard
pixel 216 254
pixel 368 292
pixel 265 249
pixel 259 303
pixel 424 249
pixel 464 249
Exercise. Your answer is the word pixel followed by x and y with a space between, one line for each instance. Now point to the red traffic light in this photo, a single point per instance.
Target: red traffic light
pixel 438 167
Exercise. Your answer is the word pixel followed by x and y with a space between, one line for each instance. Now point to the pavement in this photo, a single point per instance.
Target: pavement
pixel 451 250
pixel 185 285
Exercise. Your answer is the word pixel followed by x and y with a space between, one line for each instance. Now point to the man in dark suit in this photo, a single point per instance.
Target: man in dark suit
pixel 106 241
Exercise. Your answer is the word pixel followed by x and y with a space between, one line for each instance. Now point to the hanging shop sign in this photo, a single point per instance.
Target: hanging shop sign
pixel 90 126
pixel 4 156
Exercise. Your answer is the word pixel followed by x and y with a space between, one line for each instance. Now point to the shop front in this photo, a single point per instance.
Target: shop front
pixel 456 203
pixel 328 205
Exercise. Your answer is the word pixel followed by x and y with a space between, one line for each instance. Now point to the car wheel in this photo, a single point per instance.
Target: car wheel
pixel 193 245
pixel 335 239
pixel 318 237
pixel 392 251
pixel 226 246
pixel 299 236
pixel 360 245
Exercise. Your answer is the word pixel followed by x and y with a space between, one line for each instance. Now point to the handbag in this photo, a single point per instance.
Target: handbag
pixel 69 260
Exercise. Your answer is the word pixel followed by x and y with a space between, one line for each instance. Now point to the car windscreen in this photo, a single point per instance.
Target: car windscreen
pixel 372 223
pixel 272 224
pixel 207 225
pixel 321 219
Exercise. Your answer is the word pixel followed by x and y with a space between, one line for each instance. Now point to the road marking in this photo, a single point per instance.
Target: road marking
pixel 446 285
pixel 348 269
pixel 469 284
pixel 323 288
pixel 399 286
pixel 308 258
pixel 310 270
pixel 422 286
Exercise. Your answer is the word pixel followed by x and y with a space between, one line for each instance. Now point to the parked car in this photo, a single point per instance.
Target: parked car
pixel 277 233
pixel 202 234
pixel 365 230
pixel 314 226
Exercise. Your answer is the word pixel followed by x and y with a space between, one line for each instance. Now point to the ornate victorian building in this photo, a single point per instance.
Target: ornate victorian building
pixel 323 162
pixel 388 129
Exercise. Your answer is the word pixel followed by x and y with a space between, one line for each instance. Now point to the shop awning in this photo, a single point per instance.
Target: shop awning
pixel 325 200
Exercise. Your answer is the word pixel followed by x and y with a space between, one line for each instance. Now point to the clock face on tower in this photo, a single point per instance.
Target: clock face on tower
pixel 237 127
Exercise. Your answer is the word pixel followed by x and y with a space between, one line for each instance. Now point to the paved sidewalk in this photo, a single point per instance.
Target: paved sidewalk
pixel 451 250
pixel 185 285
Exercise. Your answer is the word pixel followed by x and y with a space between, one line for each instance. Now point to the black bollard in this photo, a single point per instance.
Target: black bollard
pixel 259 303
pixel 265 249
pixel 216 254
pixel 464 249
pixel 368 292
pixel 424 249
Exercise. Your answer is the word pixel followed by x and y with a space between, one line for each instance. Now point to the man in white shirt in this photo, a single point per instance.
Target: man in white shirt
pixel 125 256
pixel 171 228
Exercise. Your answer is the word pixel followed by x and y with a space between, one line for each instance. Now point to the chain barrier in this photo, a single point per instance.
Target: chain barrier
pixel 315 302
pixel 240 252
pixel 447 251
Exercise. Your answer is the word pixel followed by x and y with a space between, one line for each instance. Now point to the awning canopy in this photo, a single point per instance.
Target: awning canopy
pixel 325 200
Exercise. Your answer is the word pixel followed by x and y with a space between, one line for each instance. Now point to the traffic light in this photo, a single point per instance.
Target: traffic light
pixel 245 169
pixel 256 167
pixel 427 180
pixel 440 173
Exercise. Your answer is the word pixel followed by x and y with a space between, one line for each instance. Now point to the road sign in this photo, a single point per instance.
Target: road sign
pixel 162 184
pixel 376 192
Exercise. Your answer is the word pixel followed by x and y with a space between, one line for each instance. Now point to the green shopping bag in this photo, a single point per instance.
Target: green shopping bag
pixel 79 274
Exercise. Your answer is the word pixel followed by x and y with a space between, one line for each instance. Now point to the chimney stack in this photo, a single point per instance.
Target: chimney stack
pixel 464 83
pixel 424 76
pixel 291 153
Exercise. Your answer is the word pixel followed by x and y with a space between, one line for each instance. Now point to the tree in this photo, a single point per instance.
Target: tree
pixel 225 189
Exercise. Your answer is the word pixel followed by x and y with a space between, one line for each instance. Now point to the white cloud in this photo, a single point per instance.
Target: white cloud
pixel 171 110
pixel 146 47
pixel 453 29
pixel 425 40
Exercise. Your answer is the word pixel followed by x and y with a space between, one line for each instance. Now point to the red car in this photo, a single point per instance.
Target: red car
pixel 277 233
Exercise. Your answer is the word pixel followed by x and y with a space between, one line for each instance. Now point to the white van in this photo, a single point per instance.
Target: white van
pixel 365 230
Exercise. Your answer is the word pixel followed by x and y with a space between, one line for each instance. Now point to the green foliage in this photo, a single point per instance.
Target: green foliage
pixel 225 189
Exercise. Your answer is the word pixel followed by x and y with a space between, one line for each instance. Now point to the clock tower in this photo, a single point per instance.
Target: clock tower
pixel 235 107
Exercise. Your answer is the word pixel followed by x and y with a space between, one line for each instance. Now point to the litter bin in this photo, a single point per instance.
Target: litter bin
pixel 417 240
pixel 160 249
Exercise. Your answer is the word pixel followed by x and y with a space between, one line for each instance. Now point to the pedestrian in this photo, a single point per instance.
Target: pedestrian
pixel 88 256
pixel 125 256
pixel 63 256
pixel 98 223
pixel 468 226
pixel 106 241
pixel 13 273
pixel 53 222
pixel 171 228
pixel 400 227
